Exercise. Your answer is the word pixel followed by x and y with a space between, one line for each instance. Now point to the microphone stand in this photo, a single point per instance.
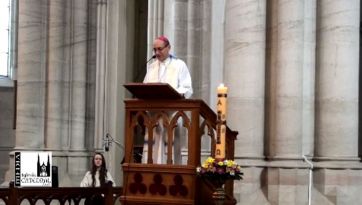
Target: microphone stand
pixel 153 57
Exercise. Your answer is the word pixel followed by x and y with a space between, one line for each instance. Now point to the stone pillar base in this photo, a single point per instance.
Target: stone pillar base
pixel 269 184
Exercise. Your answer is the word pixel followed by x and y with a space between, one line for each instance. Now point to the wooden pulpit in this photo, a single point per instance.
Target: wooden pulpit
pixel 188 124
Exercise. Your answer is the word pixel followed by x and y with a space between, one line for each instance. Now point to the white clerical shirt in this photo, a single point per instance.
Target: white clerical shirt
pixel 172 71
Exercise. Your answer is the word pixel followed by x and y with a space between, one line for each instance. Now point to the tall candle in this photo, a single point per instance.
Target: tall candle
pixel 221 122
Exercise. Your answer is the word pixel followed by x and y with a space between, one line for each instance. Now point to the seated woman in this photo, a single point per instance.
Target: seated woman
pixel 97 177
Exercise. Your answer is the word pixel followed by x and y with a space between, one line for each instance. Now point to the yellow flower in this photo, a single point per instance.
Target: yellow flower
pixel 229 163
pixel 220 163
pixel 210 160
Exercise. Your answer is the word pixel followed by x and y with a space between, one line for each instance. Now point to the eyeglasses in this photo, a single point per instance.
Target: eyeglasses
pixel 159 48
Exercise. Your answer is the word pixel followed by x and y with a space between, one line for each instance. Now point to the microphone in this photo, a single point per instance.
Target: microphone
pixel 108 139
pixel 107 143
pixel 153 57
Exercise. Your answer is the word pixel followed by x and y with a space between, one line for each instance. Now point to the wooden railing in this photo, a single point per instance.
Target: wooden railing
pixel 63 195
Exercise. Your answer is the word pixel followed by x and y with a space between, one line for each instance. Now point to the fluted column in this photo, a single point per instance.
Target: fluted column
pixel 100 96
pixel 337 79
pixel 309 67
pixel 31 75
pixel 54 121
pixel 285 80
pixel 177 32
pixel 216 49
pixel 79 74
pixel 155 22
pixel 245 25
pixel 206 52
pixel 194 38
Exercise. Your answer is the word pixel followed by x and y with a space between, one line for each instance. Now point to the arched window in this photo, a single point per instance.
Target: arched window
pixel 8 22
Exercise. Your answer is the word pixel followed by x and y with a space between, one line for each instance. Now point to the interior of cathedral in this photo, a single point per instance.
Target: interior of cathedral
pixel 292 69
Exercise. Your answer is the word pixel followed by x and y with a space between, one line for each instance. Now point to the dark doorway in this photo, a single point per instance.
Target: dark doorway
pixel 140 40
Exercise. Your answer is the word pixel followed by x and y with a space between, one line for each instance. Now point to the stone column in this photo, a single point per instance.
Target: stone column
pixel 78 74
pixel 284 79
pixel 194 40
pixel 176 27
pixel 119 63
pixel 216 49
pixel 100 115
pixel 337 80
pixel 155 22
pixel 54 104
pixel 31 75
pixel 244 69
pixel 309 67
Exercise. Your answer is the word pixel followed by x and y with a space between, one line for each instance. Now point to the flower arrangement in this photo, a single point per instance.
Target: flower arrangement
pixel 216 169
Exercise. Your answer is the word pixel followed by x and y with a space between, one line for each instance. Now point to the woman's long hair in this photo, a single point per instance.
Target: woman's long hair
pixel 102 171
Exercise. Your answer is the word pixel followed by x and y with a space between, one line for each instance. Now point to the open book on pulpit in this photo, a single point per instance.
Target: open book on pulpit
pixel 153 91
